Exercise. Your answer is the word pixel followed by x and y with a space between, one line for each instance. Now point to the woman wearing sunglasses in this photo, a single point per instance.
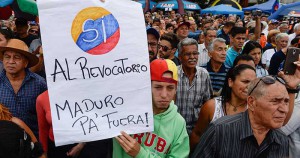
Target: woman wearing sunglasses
pixel 233 100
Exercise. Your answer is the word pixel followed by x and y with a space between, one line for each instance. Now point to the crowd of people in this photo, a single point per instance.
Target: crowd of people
pixel 217 90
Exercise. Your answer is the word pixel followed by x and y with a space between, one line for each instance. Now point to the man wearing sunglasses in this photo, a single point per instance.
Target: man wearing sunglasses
pixel 168 46
pixel 254 133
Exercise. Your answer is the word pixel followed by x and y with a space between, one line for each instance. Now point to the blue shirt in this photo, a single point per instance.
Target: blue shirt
pixel 217 78
pixel 230 57
pixel 22 104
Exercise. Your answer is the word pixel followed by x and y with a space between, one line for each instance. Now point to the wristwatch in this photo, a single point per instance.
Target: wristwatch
pixel 296 90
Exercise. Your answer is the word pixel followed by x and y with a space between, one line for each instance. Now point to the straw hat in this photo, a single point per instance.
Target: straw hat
pixel 19 47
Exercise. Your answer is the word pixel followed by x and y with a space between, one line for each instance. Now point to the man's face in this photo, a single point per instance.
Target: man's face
pixel 282 42
pixel 22 29
pixel 284 29
pixel 256 55
pixel 211 35
pixel 183 32
pixel 189 56
pixel 207 25
pixel 273 26
pixel 162 94
pixel 239 24
pixel 152 46
pixel 173 15
pixel 147 17
pixel 193 25
pixel 219 53
pixel 165 49
pixel 238 40
pixel 14 63
pixel 170 30
pixel 270 110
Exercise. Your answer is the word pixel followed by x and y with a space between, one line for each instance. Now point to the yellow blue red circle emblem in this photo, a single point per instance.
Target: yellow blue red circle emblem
pixel 95 30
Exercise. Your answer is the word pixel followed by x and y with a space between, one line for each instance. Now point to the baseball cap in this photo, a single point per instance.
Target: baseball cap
pixel 160 66
pixel 152 31
pixel 273 21
pixel 184 23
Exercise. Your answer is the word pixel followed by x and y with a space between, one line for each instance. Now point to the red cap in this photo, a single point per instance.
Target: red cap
pixel 160 66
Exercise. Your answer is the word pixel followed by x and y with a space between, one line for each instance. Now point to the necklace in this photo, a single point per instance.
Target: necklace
pixel 235 107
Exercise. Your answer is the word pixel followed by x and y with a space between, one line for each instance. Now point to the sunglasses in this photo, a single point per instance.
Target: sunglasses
pixel 164 48
pixel 268 80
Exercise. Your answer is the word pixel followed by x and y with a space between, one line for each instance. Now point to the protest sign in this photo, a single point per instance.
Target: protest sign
pixel 97 68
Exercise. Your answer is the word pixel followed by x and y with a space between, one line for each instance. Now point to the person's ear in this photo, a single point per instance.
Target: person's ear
pixel 230 82
pixel 251 102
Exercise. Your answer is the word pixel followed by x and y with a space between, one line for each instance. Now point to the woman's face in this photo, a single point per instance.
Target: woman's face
pixel 3 40
pixel 256 55
pixel 239 87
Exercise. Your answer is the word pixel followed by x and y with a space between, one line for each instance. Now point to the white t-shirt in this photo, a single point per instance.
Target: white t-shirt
pixel 266 57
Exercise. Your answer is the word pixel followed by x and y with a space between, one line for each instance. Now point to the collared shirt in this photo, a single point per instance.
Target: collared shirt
pixel 266 57
pixel 203 55
pixel 22 104
pixel 261 72
pixel 232 136
pixel 217 78
pixel 230 57
pixel 190 97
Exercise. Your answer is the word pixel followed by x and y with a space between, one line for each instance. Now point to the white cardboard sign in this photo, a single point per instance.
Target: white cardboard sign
pixel 97 68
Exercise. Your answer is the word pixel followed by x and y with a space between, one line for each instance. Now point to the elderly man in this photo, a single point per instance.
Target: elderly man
pixel 194 86
pixel 152 38
pixel 254 133
pixel 215 66
pixel 168 46
pixel 19 87
pixel 209 35
pixel 169 138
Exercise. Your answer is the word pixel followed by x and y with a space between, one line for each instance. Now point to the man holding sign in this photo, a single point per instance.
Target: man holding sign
pixel 170 138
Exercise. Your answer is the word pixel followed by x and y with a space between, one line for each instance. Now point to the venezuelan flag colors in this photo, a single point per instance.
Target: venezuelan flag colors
pixel 95 30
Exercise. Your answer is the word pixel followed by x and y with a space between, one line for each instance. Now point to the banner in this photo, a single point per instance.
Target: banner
pixel 97 67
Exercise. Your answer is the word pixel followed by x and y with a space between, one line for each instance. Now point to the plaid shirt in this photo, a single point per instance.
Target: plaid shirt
pixel 190 97
pixel 22 104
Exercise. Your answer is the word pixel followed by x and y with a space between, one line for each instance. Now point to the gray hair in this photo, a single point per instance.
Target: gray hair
pixel 296 27
pixel 213 43
pixel 283 24
pixel 259 90
pixel 186 42
pixel 281 35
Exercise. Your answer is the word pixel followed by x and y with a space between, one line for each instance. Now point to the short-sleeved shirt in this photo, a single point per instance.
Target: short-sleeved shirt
pixel 22 104
pixel 230 57
pixel 232 136
pixel 203 57
pixel 267 55
pixel 190 97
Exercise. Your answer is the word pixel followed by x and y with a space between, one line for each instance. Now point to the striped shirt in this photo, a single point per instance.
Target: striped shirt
pixel 232 137
pixel 22 104
pixel 217 78
pixel 190 97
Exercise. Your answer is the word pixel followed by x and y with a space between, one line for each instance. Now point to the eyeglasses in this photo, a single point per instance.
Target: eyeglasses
pixel 268 80
pixel 189 54
pixel 164 48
